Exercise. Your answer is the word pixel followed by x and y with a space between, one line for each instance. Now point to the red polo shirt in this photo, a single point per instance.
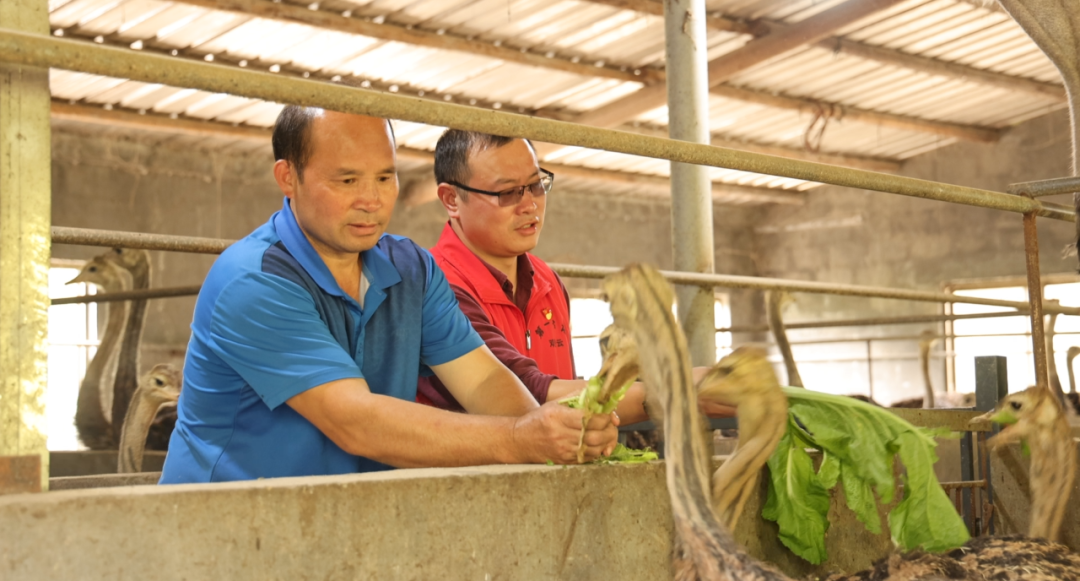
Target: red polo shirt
pixel 527 328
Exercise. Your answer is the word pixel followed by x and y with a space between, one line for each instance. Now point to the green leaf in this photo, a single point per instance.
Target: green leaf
pixel 829 472
pixel 860 499
pixel 797 501
pixel 625 455
pixel 925 518
pixel 859 443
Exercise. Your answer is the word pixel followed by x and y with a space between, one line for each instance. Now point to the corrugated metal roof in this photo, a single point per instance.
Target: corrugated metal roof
pixel 594 33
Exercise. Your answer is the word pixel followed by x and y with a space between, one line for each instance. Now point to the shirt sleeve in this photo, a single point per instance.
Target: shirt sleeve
pixel 446 333
pixel 524 367
pixel 267 329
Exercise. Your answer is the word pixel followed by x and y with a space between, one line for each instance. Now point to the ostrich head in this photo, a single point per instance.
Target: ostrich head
pixel 620 365
pixel 1025 413
pixel 161 385
pixel 97 271
pixel 744 373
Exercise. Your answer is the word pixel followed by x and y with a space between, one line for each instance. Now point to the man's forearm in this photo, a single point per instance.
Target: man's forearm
pixel 405 434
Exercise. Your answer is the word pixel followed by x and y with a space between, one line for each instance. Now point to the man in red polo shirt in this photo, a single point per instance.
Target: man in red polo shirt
pixel 495 194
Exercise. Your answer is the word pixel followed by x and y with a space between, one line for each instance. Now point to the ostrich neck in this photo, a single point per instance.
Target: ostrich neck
pixel 1051 364
pixel 90 421
pixel 701 542
pixel 773 308
pixel 1072 375
pixel 928 386
pixel 133 434
pixel 114 327
pixel 127 368
pixel 1053 471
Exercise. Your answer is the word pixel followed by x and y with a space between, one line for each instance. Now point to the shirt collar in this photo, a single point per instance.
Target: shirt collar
pixel 378 269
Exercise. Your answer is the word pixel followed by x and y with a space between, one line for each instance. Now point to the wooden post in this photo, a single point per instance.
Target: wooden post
pixel 25 215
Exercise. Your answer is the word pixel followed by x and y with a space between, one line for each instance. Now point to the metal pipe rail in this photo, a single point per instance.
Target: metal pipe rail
pixel 37 50
pixel 138 240
pixel 870 322
pixel 764 283
pixel 90 237
pixel 1046 187
pixel 153 293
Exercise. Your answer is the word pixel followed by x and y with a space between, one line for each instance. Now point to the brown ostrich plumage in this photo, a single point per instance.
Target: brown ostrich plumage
pixel 704 548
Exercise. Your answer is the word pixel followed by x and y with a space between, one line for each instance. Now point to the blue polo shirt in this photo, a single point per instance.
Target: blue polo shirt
pixel 271 322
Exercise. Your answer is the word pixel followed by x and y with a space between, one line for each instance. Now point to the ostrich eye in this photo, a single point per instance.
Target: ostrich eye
pixel 1016 405
pixel 158 382
pixel 93 269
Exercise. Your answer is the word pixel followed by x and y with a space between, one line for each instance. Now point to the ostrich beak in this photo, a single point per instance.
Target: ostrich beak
pixel 1002 416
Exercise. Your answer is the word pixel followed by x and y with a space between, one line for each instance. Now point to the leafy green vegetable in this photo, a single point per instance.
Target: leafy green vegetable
pixel 916 521
pixel 797 501
pixel 859 442
pixel 625 455
pixel 588 400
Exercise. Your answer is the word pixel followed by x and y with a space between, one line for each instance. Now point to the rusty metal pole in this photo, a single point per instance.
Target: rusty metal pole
pixel 1035 299
pixel 691 189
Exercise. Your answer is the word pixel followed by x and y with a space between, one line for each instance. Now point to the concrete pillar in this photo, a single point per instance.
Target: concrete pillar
pixel 25 215
pixel 691 190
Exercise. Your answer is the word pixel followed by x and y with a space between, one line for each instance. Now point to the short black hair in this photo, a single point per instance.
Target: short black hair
pixel 291 138
pixel 454 148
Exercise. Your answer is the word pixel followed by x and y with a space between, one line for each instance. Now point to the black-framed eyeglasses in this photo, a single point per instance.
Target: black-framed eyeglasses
pixel 513 196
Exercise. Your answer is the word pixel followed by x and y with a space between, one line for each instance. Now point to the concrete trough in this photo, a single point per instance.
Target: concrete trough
pixel 491 522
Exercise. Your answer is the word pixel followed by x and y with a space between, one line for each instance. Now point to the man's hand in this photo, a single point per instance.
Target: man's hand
pixel 552 433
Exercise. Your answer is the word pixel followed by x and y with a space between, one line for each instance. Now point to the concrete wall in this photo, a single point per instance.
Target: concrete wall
pixel 852 236
pixel 492 522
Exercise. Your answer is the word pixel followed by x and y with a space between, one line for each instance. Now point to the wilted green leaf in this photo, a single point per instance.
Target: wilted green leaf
pixel 859 442
pixel 925 518
pixel 860 499
pixel 797 501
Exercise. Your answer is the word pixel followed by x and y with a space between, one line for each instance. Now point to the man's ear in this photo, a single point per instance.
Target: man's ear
pixel 450 199
pixel 285 177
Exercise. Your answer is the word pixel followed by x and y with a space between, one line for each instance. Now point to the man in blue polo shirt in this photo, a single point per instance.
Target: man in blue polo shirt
pixel 310 333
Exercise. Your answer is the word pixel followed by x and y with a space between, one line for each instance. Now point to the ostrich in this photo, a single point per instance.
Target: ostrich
pixel 930 399
pixel 1072 396
pixel 158 388
pixel 137 263
pixel 704 548
pixel 775 301
pixel 1050 324
pixel 95 430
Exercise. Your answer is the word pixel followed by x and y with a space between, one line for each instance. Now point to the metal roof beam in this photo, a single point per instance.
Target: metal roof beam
pixel 333 21
pixel 868 51
pixel 838 111
pixel 943 68
pixel 753 53
pixel 437 39
pixel 841 159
